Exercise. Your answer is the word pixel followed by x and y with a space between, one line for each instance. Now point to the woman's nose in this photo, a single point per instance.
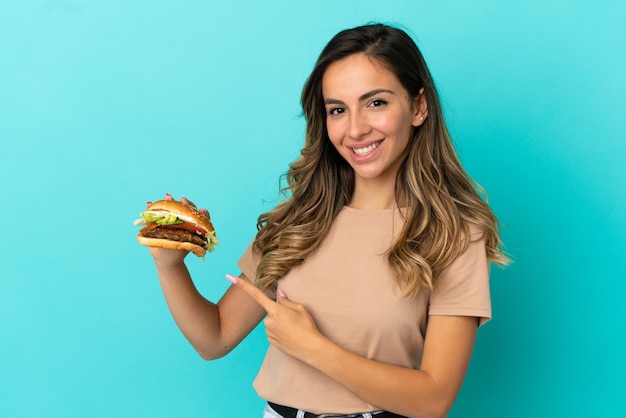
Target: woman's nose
pixel 359 125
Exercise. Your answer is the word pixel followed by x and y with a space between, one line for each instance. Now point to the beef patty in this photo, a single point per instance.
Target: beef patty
pixel 172 234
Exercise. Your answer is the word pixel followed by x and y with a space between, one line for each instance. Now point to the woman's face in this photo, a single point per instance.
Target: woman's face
pixel 369 116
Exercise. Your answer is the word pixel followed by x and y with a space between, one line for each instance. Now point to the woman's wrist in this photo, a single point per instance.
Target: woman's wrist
pixel 168 270
pixel 320 351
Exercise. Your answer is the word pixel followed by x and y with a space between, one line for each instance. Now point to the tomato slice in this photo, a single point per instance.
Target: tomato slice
pixel 185 225
pixel 148 228
pixel 189 227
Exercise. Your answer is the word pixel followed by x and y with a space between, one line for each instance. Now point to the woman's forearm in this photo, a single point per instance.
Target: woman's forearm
pixel 197 317
pixel 212 329
pixel 428 392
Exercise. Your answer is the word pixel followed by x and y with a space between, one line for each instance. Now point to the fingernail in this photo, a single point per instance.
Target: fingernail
pixel 168 196
pixel 281 293
pixel 187 202
pixel 148 203
pixel 231 279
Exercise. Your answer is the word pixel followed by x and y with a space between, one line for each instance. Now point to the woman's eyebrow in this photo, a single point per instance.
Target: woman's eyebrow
pixel 369 94
pixel 363 97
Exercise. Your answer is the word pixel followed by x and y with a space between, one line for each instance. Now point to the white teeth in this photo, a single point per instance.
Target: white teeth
pixel 365 150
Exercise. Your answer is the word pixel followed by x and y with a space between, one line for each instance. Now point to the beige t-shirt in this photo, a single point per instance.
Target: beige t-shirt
pixel 349 289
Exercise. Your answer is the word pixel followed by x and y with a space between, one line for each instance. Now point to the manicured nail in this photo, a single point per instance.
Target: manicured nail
pixel 148 203
pixel 231 279
pixel 168 196
pixel 281 293
pixel 186 201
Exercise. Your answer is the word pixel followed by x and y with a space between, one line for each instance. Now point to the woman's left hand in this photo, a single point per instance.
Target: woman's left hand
pixel 289 326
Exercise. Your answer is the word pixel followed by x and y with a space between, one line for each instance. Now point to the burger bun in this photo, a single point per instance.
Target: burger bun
pixel 172 245
pixel 184 212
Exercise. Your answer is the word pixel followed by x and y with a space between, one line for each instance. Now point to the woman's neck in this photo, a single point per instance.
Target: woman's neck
pixel 372 195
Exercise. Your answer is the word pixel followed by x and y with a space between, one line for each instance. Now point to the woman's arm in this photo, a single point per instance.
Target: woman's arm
pixel 428 392
pixel 212 329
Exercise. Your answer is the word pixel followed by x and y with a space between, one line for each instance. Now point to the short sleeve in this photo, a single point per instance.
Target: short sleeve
pixel 249 262
pixel 463 289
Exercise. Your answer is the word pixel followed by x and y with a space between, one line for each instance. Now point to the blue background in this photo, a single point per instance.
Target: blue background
pixel 97 96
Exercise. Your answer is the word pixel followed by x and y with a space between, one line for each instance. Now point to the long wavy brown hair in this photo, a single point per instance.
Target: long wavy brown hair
pixel 443 201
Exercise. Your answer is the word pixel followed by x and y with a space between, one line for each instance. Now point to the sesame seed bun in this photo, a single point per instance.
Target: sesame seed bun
pixel 184 212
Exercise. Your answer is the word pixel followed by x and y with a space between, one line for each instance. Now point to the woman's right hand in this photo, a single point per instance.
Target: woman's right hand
pixel 168 258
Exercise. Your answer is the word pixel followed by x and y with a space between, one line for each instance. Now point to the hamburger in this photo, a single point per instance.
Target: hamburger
pixel 177 225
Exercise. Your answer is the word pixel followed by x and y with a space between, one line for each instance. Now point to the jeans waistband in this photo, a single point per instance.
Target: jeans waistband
pixel 289 412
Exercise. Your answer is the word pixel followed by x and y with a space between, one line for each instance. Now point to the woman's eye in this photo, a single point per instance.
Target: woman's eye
pixel 378 103
pixel 336 111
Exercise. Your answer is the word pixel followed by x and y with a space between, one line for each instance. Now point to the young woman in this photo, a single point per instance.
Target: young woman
pixel 373 273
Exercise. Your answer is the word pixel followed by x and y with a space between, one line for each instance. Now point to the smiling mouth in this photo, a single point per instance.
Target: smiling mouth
pixel 366 150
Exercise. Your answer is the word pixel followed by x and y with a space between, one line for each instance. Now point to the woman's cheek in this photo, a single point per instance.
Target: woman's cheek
pixel 334 134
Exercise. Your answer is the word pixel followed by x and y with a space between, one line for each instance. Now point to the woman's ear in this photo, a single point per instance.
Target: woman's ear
pixel 420 107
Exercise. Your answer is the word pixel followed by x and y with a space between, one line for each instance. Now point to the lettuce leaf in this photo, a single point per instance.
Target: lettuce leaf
pixel 159 219
pixel 211 241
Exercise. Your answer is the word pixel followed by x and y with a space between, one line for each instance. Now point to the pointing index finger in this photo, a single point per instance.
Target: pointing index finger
pixel 254 292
